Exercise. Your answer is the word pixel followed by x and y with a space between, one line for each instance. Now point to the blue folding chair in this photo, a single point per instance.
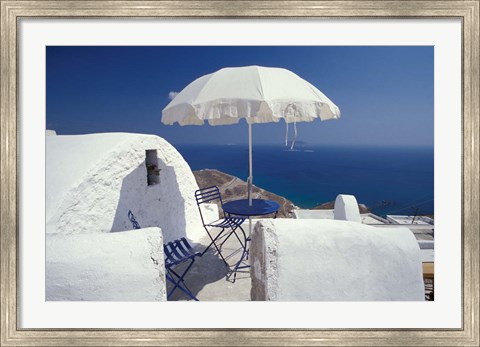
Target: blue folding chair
pixel 229 224
pixel 177 252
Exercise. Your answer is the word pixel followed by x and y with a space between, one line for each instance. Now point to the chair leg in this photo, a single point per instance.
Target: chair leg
pixel 236 235
pixel 238 266
pixel 247 238
pixel 180 277
pixel 183 288
pixel 214 244
pixel 244 246
pixel 244 256
pixel 180 283
pixel 227 238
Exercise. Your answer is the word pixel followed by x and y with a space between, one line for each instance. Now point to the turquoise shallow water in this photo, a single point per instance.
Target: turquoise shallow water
pixel 388 180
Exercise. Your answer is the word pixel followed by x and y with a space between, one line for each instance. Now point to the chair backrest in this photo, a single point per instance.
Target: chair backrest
pixel 208 195
pixel 178 251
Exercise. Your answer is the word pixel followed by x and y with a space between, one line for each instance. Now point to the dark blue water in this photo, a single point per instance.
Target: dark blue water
pixel 387 180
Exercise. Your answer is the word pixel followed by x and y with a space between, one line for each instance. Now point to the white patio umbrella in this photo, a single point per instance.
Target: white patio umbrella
pixel 258 94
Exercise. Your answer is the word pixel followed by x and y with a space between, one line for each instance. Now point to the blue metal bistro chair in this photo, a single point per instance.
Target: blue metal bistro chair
pixel 227 224
pixel 177 252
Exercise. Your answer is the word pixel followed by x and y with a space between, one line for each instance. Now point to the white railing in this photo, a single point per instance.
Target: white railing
pixel 409 226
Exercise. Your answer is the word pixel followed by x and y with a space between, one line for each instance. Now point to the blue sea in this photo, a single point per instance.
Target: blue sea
pixel 387 180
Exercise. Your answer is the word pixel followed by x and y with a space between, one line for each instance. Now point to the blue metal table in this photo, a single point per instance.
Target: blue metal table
pixel 241 207
pixel 259 207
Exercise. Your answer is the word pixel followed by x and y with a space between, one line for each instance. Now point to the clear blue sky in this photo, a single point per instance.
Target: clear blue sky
pixel 385 94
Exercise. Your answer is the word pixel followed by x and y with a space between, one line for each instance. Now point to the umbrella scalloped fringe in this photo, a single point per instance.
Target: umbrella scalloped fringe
pixel 220 112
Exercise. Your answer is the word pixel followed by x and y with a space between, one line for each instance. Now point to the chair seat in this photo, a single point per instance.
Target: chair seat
pixel 178 251
pixel 227 222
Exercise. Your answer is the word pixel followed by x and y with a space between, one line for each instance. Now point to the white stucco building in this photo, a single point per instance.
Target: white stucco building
pixel 93 180
pixel 124 266
pixel 333 260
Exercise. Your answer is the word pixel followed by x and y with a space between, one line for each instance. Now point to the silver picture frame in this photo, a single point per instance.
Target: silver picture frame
pixel 13 11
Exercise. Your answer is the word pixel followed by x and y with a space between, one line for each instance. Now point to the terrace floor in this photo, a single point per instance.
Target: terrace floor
pixel 207 279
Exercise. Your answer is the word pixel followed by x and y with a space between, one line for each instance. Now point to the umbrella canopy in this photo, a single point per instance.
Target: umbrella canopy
pixel 258 94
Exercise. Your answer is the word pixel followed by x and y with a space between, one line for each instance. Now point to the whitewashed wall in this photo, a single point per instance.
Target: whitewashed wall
pixel 93 180
pixel 123 266
pixel 330 260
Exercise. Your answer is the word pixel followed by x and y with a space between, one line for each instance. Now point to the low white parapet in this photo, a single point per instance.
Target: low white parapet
pixel 331 260
pixel 117 266
pixel 346 208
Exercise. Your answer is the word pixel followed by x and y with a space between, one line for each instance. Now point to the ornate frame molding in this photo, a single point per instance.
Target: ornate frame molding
pixel 467 11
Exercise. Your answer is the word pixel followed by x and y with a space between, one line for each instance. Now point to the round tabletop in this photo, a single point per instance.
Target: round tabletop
pixel 259 207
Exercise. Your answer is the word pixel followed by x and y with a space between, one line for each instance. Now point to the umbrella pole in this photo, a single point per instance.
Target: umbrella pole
pixel 250 176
